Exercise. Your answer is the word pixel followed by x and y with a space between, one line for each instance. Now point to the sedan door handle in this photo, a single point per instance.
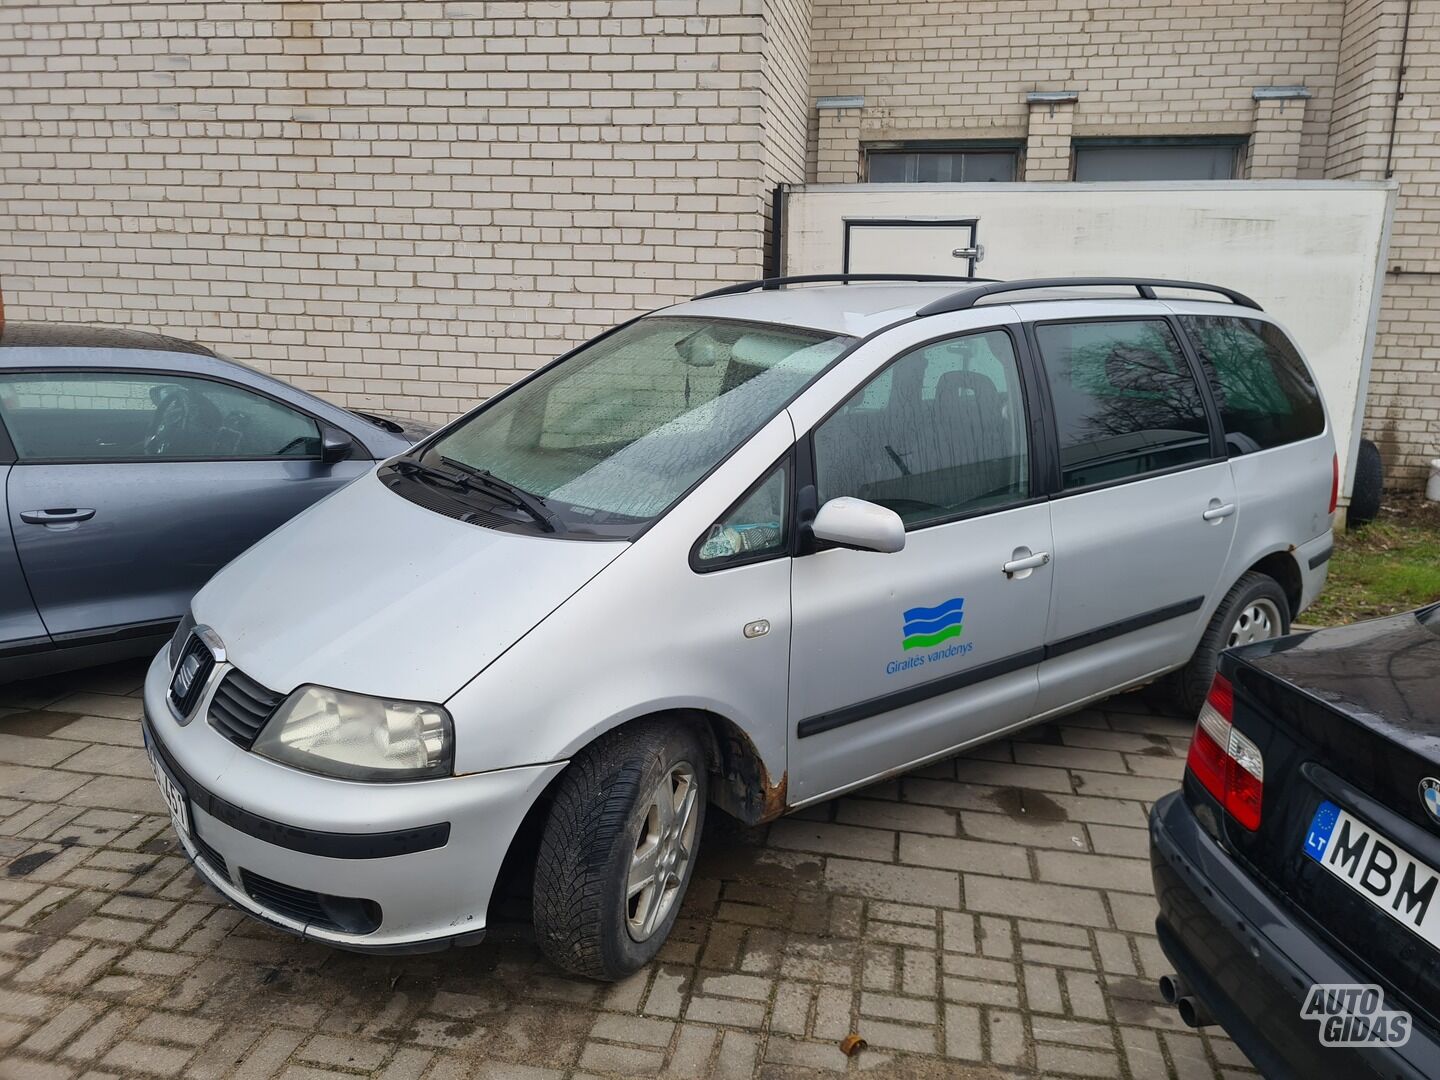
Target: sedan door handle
pixel 1215 513
pixel 56 517
pixel 1024 565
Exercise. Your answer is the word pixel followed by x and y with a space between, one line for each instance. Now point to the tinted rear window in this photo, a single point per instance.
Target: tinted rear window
pixel 1126 403
pixel 1266 396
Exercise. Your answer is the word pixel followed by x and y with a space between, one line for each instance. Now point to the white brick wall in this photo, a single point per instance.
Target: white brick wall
pixel 1047 141
pixel 961 68
pixel 1275 139
pixel 398 205
pixel 1403 414
pixel 403 205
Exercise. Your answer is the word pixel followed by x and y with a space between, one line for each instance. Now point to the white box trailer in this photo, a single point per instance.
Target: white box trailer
pixel 1310 252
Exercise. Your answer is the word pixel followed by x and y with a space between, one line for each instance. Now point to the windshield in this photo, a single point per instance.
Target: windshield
pixel 611 437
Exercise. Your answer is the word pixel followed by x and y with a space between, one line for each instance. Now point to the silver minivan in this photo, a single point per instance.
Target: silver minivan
pixel 750 551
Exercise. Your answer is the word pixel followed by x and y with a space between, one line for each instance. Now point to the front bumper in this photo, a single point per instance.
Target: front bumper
pixel 421 857
pixel 1252 962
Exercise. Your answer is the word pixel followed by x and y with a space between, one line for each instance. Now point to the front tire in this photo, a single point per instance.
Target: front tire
pixel 1256 609
pixel 618 849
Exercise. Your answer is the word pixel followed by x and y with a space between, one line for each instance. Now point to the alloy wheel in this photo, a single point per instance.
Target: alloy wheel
pixel 662 851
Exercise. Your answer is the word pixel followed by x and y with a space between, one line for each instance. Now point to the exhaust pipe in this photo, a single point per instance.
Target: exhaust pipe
pixel 1193 1011
pixel 1174 991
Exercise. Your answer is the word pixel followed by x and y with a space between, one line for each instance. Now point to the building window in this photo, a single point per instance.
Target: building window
pixel 941 163
pixel 1158 159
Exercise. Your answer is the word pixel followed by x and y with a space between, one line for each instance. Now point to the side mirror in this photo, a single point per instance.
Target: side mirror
pixel 855 523
pixel 335 446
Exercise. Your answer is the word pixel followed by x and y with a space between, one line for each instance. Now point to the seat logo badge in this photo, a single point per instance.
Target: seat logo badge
pixel 1430 797
pixel 189 668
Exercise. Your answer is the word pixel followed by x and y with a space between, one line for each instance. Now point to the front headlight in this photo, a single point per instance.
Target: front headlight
pixel 356 737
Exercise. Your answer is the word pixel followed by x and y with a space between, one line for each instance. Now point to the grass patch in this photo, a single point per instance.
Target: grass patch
pixel 1390 565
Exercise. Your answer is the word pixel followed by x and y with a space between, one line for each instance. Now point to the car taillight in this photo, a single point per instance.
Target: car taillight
pixel 1227 764
pixel 1334 482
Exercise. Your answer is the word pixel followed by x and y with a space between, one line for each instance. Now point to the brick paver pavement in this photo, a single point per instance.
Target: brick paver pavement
pixel 988 916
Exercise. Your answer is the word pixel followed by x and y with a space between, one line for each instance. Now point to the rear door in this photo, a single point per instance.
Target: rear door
pixel 1144 509
pixel 131 488
pixel 899 657
pixel 1280 446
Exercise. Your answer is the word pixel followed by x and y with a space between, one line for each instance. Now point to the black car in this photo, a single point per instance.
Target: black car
pixel 1298 868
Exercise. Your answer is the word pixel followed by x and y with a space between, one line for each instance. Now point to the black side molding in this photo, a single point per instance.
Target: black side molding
pixel 25 646
pixel 1320 558
pixel 330 845
pixel 1123 626
pixel 77 639
pixel 814 725
pixel 124 632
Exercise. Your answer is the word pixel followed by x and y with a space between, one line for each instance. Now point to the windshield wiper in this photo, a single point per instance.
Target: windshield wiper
pixel 411 467
pixel 488 482
pixel 478 481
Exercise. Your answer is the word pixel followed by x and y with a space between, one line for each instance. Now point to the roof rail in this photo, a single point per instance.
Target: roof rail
pixel 965 299
pixel 841 279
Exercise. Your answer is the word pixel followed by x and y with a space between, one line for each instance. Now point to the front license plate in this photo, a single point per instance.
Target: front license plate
pixel 174 797
pixel 1387 875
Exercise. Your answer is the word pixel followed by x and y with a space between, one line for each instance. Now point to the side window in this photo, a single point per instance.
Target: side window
pixel 755 528
pixel 1125 400
pixel 109 416
pixel 945 437
pixel 1266 396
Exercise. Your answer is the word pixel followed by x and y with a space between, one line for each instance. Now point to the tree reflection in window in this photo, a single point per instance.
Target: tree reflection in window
pixel 1265 395
pixel 1125 401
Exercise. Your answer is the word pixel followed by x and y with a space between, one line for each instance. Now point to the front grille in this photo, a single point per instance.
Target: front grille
pixel 209 854
pixel 241 707
pixel 344 913
pixel 191 674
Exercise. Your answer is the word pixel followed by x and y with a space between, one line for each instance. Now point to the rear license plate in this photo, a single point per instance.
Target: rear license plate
pixel 1387 875
pixel 174 796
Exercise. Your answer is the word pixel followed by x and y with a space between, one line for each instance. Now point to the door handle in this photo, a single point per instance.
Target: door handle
pixel 1025 564
pixel 1217 513
pixel 56 517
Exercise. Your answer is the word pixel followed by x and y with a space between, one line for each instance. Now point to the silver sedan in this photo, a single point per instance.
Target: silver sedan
pixel 132 467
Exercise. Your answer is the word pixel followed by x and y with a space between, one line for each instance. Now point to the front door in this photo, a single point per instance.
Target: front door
pixel 1146 508
pixel 20 627
pixel 899 657
pixel 131 489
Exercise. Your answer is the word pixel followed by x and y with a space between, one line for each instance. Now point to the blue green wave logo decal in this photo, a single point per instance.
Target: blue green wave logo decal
pixel 925 627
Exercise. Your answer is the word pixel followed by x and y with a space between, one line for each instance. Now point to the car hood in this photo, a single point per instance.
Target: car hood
pixel 1384 671
pixel 366 591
